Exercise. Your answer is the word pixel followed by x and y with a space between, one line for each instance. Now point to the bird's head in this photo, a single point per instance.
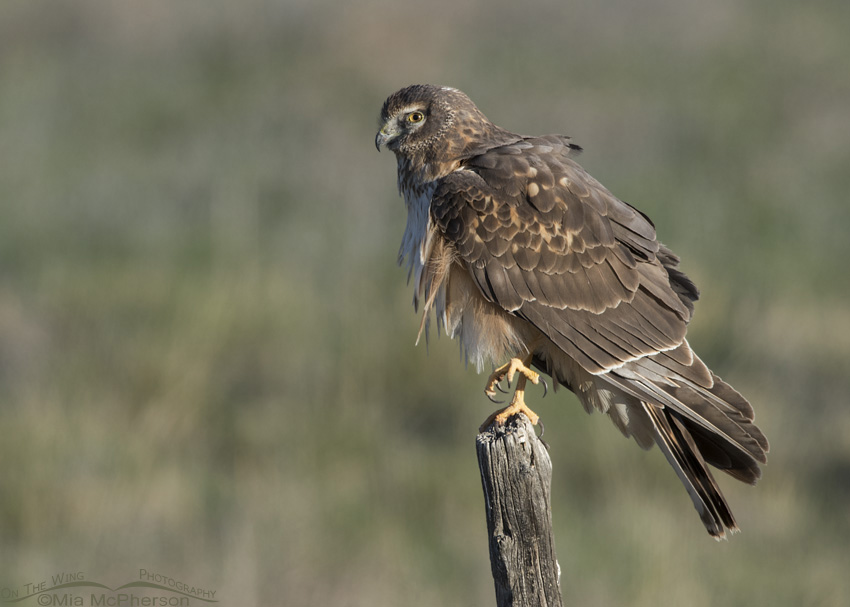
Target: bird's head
pixel 423 119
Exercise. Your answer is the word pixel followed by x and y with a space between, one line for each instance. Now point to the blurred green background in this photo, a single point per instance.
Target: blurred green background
pixel 207 365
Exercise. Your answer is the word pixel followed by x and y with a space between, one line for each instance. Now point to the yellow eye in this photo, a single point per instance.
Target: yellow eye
pixel 415 117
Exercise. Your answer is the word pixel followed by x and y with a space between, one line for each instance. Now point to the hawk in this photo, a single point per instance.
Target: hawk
pixel 526 258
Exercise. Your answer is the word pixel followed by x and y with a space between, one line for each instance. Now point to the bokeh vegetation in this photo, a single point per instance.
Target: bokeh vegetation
pixel 206 349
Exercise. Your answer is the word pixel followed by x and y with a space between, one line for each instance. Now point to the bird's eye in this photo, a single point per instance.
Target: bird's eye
pixel 415 117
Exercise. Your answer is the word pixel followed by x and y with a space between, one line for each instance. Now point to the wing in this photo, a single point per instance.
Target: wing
pixel 549 244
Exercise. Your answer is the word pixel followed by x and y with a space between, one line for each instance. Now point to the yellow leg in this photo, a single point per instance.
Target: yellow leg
pixel 517 405
pixel 509 370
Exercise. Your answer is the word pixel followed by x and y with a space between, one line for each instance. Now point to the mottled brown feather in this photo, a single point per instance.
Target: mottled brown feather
pixel 529 254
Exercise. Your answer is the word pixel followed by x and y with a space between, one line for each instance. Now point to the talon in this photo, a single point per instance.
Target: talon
pixel 506 373
pixel 503 415
pixel 492 398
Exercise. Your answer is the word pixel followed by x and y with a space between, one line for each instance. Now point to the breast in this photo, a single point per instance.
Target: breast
pixel 414 242
pixel 487 333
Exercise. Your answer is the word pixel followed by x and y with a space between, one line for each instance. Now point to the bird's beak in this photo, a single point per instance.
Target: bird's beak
pixel 384 136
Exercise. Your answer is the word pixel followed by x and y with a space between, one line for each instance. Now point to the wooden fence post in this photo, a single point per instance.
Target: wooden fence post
pixel 516 474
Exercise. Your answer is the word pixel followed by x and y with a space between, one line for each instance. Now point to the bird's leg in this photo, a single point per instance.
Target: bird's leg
pixel 509 370
pixel 517 404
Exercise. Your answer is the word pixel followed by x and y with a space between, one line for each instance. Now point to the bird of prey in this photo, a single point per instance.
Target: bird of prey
pixel 526 258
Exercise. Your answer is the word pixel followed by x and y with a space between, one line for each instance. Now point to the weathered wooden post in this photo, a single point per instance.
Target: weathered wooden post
pixel 516 474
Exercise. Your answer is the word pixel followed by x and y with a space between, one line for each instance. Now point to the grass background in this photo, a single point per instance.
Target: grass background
pixel 206 349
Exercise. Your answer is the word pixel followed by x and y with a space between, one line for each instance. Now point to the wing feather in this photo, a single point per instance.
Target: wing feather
pixel 547 242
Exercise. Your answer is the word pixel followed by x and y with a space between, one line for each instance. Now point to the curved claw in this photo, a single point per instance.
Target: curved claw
pixel 540 436
pixel 501 389
pixel 493 399
pixel 545 387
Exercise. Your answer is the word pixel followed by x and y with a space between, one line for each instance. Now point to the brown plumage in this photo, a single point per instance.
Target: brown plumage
pixel 522 254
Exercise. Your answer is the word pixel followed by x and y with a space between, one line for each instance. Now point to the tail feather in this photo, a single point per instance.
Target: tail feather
pixel 733 434
pixel 706 402
pixel 679 448
pixel 697 419
pixel 718 416
pixel 740 466
pixel 673 400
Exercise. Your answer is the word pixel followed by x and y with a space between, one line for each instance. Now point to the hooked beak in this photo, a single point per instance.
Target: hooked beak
pixel 384 136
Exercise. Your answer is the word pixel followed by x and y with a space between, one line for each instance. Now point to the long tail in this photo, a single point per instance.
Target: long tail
pixel 673 400
pixel 697 419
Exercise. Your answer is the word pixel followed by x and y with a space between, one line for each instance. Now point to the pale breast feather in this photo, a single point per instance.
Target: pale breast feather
pixel 416 243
